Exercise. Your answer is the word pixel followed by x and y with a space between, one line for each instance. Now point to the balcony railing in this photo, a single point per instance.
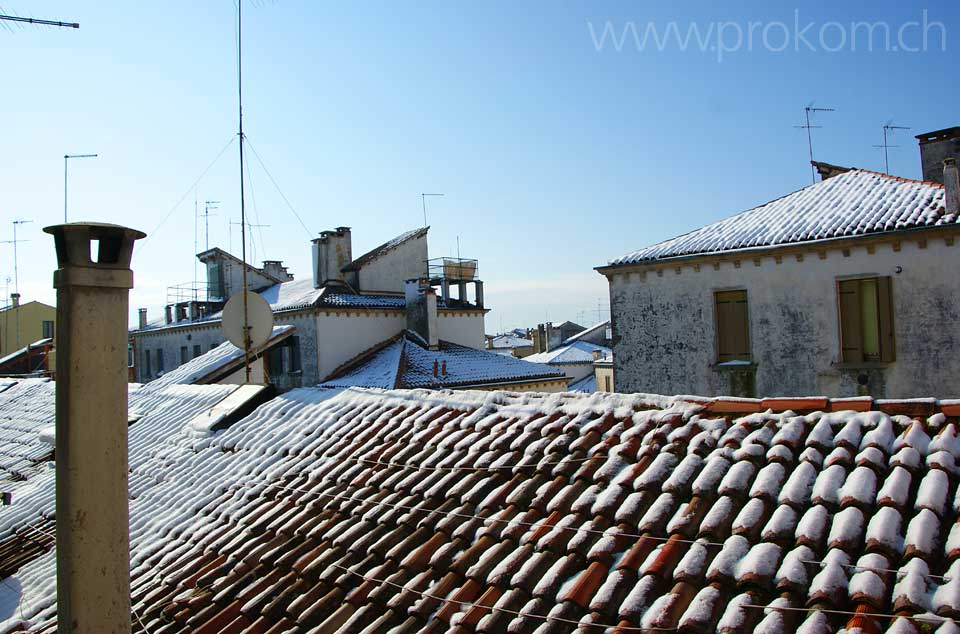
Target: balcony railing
pixel 188 292
pixel 453 269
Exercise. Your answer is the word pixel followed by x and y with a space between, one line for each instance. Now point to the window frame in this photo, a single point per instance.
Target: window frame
pixel 886 323
pixel 718 348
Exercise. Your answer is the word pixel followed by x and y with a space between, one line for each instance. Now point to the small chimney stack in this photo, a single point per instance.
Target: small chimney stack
pixel 935 147
pixel 331 252
pixel 15 299
pixel 142 318
pixel 951 183
pixel 93 532
pixel 421 301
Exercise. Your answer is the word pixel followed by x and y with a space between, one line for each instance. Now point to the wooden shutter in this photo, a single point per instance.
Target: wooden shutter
pixel 851 348
pixel 733 334
pixel 888 349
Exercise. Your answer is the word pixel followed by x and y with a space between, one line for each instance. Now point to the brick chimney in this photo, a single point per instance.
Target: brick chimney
pixel 92 503
pixel 951 183
pixel 331 252
pixel 421 301
pixel 142 318
pixel 935 147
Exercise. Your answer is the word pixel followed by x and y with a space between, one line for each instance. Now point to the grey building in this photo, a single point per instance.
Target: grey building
pixel 847 287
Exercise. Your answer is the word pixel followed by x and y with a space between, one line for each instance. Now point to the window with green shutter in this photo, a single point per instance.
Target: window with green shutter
pixel 866 320
pixel 733 327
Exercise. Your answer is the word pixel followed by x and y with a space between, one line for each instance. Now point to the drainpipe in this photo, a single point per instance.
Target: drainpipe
pixel 93 543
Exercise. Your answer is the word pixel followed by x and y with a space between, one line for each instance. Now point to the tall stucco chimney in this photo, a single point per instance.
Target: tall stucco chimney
pixel 934 148
pixel 92 504
pixel 142 318
pixel 421 304
pixel 331 252
pixel 951 183
pixel 14 299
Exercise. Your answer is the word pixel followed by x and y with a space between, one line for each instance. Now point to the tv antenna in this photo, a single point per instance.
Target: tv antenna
pixel 423 200
pixel 22 20
pixel 249 226
pixel 208 205
pixel 888 128
pixel 16 272
pixel 808 110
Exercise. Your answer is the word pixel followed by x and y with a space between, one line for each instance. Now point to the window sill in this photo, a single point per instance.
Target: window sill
pixel 733 367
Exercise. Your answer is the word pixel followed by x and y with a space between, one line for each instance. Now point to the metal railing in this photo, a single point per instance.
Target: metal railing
pixel 454 269
pixel 188 292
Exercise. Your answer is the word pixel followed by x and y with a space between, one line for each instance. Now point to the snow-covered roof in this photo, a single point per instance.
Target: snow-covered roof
pixel 217 361
pixel 385 248
pixel 603 325
pixel 587 384
pixel 406 511
pixel 40 343
pixel 854 203
pixel 510 341
pixel 407 364
pixel 576 352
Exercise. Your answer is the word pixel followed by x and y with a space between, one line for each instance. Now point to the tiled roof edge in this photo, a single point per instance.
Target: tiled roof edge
pixel 919 407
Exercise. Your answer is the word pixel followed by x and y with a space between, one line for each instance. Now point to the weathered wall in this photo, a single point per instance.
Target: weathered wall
pixel 664 323
pixel 604 374
pixel 210 335
pixel 575 371
pixel 389 272
pixel 32 315
pixel 344 335
pixel 462 327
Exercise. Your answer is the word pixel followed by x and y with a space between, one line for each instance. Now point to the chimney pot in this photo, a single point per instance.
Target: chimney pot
pixel 15 299
pixel 951 183
pixel 444 367
pixel 142 318
pixel 92 467
pixel 435 366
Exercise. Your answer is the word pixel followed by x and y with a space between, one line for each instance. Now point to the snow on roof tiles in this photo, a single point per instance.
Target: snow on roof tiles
pixel 510 341
pixel 576 352
pixel 407 511
pixel 214 361
pixel 854 203
pixel 407 364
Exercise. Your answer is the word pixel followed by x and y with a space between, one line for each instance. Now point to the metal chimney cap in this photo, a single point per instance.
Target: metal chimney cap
pixel 73 240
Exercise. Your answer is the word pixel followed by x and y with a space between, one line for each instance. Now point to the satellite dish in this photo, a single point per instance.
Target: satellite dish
pixel 259 319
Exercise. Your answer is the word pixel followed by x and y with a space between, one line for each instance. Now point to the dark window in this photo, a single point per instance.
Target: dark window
pixel 48 330
pixel 130 355
pixel 159 360
pixel 184 356
pixel 733 330
pixel 276 360
pixel 866 320
pixel 146 364
pixel 196 350
pixel 294 354
pixel 606 383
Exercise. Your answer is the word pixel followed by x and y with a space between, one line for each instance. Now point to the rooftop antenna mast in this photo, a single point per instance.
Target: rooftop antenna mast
pixel 249 226
pixel 207 206
pixel 808 110
pixel 888 128
pixel 16 271
pixel 17 18
pixel 243 209
pixel 423 200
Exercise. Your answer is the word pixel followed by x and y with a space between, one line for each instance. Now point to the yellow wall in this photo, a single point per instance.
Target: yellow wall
pixel 32 315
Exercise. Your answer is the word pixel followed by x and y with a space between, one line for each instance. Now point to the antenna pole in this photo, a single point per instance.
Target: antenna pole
pixel 807 110
pixel 243 212
pixel 16 271
pixel 888 127
pixel 207 206
pixel 423 200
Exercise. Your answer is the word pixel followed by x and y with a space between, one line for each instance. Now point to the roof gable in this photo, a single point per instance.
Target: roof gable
pixel 385 248
pixel 853 203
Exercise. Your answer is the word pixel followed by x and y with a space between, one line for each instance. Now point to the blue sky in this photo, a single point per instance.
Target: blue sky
pixel 553 156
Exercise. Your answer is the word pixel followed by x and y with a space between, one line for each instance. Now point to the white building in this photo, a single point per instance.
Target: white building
pixel 846 287
pixel 345 307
